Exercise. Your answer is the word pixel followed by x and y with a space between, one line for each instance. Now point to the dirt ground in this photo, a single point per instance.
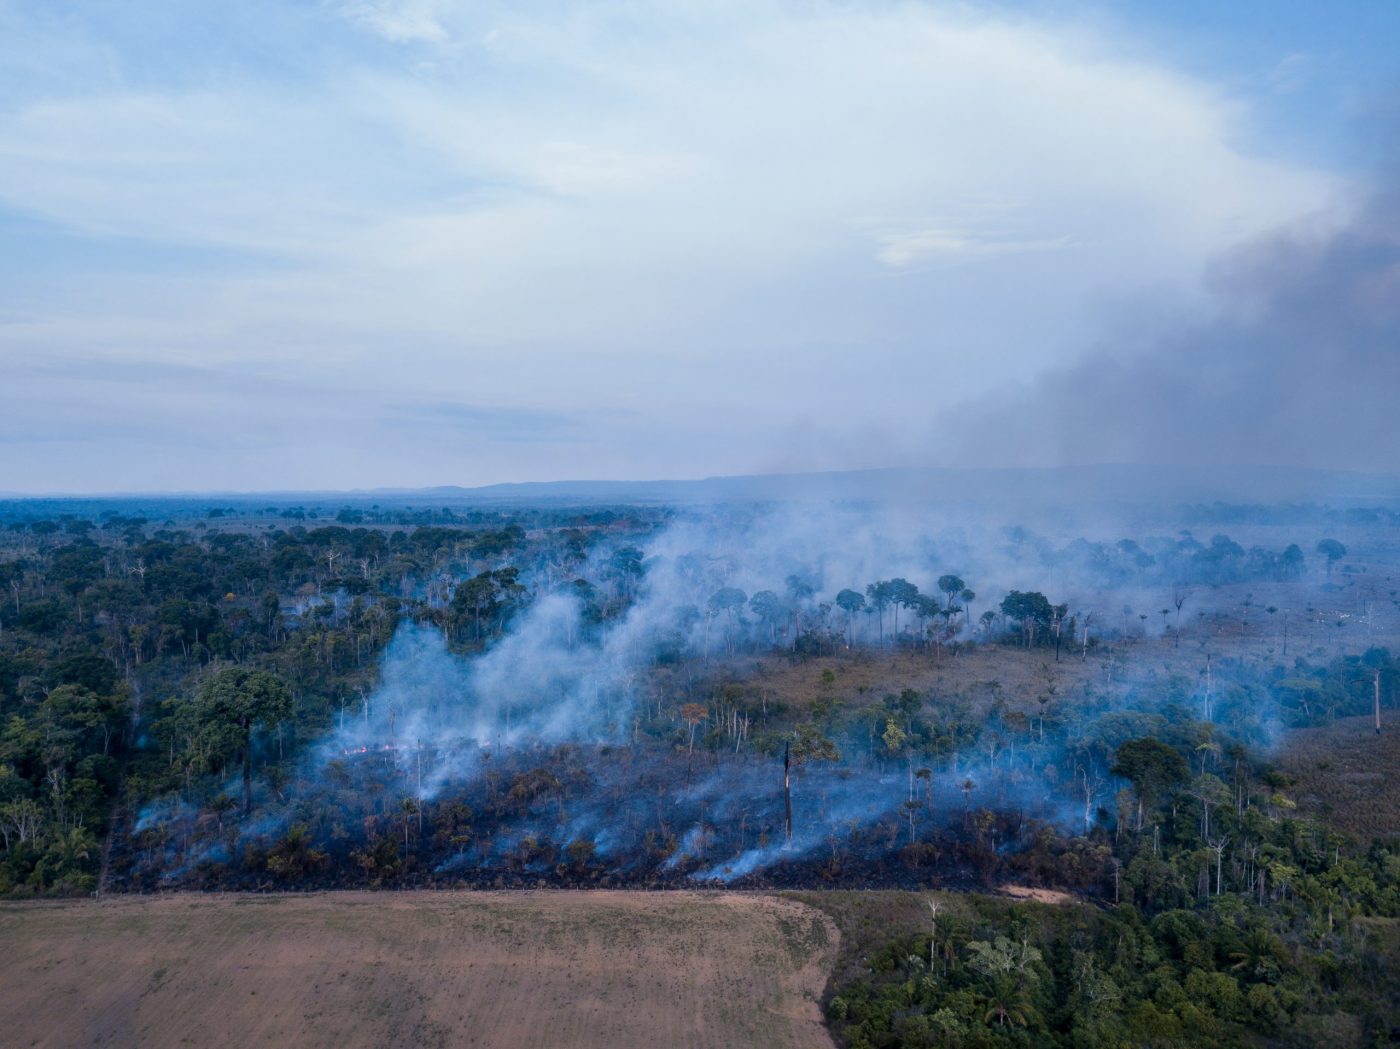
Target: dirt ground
pixel 345 970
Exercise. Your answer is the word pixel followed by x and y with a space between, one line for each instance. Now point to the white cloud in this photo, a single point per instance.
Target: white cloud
pixel 910 247
pixel 399 21
pixel 664 206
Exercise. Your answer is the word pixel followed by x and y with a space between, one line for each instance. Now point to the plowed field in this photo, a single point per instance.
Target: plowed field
pixel 376 970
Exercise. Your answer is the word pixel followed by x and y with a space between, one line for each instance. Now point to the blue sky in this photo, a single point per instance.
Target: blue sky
pixel 344 243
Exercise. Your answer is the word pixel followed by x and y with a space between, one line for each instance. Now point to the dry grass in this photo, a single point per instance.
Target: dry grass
pixel 344 970
pixel 984 673
pixel 1345 775
pixel 1050 896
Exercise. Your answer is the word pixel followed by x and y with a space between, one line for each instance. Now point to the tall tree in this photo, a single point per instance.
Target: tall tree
pixel 902 594
pixel 1333 551
pixel 232 705
pixel 878 594
pixel 1152 767
pixel 951 586
pixel 850 602
pixel 769 608
pixel 1032 611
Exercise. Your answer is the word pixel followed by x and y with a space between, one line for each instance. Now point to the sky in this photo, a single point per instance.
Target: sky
pixel 334 244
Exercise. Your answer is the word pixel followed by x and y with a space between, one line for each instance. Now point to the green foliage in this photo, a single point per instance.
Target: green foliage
pixel 293 856
pixel 1154 768
pixel 208 626
pixel 1080 977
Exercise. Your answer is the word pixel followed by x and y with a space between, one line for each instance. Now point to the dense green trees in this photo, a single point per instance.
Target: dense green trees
pixel 230 707
pixel 1229 974
pixel 187 634
pixel 487 601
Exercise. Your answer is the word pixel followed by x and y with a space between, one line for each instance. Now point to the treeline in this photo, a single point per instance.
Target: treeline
pixel 980 973
pixel 1159 561
pixel 892 612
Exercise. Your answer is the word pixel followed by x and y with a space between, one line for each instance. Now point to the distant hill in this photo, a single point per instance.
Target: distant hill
pixel 1058 487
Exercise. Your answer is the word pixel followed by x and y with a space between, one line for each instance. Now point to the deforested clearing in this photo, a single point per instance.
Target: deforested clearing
pixel 1344 773
pixel 420 969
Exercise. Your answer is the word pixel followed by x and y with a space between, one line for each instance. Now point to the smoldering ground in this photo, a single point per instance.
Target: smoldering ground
pixel 639 747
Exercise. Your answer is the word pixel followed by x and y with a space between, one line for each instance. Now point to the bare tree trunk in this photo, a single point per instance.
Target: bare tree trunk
pixel 1378 701
pixel 247 768
pixel 787 789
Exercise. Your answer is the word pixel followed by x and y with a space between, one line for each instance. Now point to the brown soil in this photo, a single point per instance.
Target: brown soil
pixel 344 970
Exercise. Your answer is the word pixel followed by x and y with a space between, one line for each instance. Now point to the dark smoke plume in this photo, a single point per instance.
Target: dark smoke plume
pixel 1298 366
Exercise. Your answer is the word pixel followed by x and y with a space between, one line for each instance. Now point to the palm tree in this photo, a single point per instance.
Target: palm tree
pixel 1259 951
pixel 1009 1004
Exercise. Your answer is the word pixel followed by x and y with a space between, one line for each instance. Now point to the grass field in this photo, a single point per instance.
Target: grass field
pixel 1346 776
pixel 348 970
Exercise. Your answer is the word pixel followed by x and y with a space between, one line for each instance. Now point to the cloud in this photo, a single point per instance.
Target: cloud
pixel 440 420
pixel 906 249
pixel 1297 365
pixel 399 21
pixel 749 223
pixel 1290 73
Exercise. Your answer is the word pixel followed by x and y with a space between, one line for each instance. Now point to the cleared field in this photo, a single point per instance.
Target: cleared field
pixel 345 970
pixel 1345 774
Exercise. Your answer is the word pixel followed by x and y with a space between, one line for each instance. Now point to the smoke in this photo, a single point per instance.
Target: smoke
pixel 553 684
pixel 1297 366
pixel 565 741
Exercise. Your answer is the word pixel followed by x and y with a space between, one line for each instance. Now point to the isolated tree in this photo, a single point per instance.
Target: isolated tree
pixel 879 599
pixel 1032 611
pixel 805 745
pixel 894 736
pixel 901 594
pixel 1290 562
pixel 1058 614
pixel 770 609
pixel 693 714
pixel 799 593
pixel 232 705
pixel 1333 551
pixel 926 609
pixel 850 602
pixel 951 586
pixel 810 744
pixel 1179 597
pixel 967 597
